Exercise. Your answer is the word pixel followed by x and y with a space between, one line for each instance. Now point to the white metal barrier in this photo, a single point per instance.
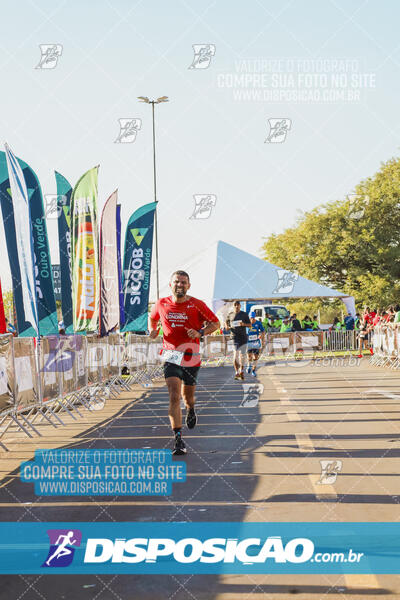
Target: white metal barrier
pixel 335 341
pixel 385 343
pixel 66 374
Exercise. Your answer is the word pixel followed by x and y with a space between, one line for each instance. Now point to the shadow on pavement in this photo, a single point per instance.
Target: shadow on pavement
pixel 220 451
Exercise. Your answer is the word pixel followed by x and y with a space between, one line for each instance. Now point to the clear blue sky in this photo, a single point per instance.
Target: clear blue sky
pixel 210 138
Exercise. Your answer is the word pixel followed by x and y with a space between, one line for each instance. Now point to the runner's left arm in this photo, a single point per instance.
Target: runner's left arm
pixel 246 323
pixel 211 327
pixel 211 320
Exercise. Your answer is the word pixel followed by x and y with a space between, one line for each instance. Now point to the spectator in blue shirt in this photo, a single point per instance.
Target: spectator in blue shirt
pixel 349 322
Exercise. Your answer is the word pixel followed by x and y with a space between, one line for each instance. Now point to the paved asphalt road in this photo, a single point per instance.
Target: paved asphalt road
pixel 244 463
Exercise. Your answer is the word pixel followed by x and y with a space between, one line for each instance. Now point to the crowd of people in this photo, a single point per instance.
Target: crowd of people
pixel 389 316
pixel 276 324
pixel 371 319
pixel 290 323
pixel 363 323
pixel 368 319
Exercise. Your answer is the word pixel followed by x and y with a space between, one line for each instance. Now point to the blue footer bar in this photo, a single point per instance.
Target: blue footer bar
pixel 213 548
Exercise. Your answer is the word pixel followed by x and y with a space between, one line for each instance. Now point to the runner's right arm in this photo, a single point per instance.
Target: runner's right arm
pixel 154 319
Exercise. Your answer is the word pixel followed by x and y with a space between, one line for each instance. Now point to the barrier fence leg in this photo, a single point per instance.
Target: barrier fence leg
pixel 7 426
pixel 14 418
pixel 44 416
pixel 81 398
pixel 3 432
pixel 1 435
pixel 114 387
pixel 30 424
pixel 55 415
pixel 61 402
pixel 72 406
pixel 125 384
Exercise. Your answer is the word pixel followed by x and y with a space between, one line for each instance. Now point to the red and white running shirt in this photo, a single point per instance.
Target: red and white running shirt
pixel 176 318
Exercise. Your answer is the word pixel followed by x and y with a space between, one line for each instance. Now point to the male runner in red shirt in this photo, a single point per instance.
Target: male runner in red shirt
pixel 184 321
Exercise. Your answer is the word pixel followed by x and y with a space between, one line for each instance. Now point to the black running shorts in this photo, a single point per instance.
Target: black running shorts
pixel 240 345
pixel 255 351
pixel 187 374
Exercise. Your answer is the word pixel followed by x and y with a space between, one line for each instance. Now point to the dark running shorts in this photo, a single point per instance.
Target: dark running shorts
pixel 187 374
pixel 240 345
pixel 255 351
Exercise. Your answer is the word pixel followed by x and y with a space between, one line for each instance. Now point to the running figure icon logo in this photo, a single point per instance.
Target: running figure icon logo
pixel 329 471
pixel 62 550
pixel 278 129
pixel 128 129
pixel 203 54
pixel 203 205
pixel 357 206
pixel 53 211
pixel 50 54
pixel 286 281
pixel 251 394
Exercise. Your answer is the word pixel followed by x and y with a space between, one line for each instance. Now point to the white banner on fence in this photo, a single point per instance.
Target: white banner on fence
pixel 80 361
pixel 23 373
pixel 282 342
pixel 309 340
pixel 3 375
pixel 50 377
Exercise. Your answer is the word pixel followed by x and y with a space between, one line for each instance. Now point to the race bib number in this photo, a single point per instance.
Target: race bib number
pixel 255 345
pixel 236 324
pixel 253 337
pixel 172 356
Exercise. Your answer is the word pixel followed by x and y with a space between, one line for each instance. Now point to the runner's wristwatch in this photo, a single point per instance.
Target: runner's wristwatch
pixel 201 332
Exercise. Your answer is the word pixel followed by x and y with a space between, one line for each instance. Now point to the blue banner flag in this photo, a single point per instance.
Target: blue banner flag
pixel 64 191
pixel 17 224
pixel 43 281
pixel 45 299
pixel 121 293
pixel 24 327
pixel 109 290
pixel 137 267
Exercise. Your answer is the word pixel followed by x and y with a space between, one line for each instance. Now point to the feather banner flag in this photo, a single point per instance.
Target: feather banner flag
pixel 137 267
pixel 109 289
pixel 64 192
pixel 85 253
pixel 27 313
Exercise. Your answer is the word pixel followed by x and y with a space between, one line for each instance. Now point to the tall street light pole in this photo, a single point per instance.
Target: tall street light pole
pixel 153 102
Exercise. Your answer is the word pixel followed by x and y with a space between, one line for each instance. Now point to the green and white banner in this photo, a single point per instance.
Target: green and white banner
pixel 85 253
pixel 137 267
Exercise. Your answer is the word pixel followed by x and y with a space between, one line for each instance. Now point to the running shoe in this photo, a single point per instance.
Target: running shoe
pixel 237 376
pixel 254 373
pixel 191 418
pixel 241 376
pixel 180 447
pixel 248 369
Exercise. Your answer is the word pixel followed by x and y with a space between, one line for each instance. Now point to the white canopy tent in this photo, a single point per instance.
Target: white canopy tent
pixel 224 273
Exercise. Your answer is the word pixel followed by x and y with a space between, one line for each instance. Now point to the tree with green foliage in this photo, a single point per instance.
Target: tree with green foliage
pixel 8 305
pixel 352 245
